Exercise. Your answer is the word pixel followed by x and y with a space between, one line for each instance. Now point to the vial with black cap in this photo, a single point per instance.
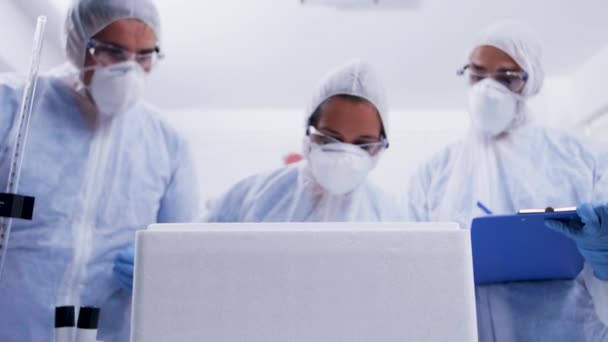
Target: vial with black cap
pixel 65 324
pixel 88 319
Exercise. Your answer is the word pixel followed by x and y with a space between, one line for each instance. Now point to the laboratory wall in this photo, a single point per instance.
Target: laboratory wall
pixel 591 94
pixel 17 23
pixel 578 100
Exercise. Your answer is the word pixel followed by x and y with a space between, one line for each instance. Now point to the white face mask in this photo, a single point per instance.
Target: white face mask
pixel 493 107
pixel 339 168
pixel 117 88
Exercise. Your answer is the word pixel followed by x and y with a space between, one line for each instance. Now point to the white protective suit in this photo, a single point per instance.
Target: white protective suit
pixel 526 167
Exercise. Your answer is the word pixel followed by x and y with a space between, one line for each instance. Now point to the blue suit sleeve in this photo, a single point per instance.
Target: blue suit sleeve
pixel 600 182
pixel 9 102
pixel 180 202
pixel 416 201
pixel 231 206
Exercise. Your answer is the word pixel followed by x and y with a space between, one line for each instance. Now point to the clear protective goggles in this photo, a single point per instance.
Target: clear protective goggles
pixel 107 54
pixel 323 139
pixel 513 80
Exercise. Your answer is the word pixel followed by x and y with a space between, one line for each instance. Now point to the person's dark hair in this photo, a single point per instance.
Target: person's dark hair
pixel 316 115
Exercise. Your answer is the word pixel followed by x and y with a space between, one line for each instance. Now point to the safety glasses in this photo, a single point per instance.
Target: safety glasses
pixel 323 139
pixel 108 54
pixel 513 80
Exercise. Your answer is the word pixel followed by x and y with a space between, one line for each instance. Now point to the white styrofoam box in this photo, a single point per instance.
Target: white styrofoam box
pixel 304 282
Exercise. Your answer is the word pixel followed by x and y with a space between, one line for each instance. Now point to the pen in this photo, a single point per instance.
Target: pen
pixel 484 208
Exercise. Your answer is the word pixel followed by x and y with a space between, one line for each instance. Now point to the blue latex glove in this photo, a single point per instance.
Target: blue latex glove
pixel 590 231
pixel 124 265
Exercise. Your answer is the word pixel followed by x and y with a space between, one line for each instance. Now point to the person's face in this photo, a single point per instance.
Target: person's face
pixel 131 35
pixel 493 61
pixel 352 122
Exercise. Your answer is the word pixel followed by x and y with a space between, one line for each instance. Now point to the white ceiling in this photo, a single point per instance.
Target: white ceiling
pixel 270 53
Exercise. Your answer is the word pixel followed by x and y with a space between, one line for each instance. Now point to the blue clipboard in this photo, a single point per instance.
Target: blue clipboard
pixel 509 248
